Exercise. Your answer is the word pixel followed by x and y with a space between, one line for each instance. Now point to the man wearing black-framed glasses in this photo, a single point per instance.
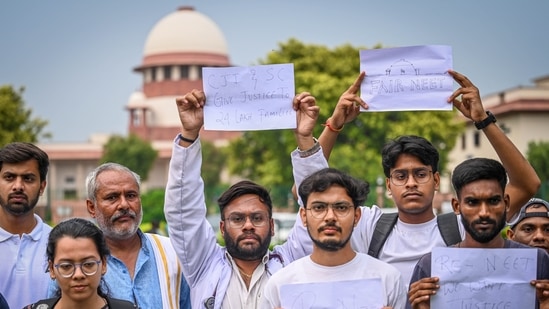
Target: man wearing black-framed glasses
pixel 234 275
pixel 331 211
pixel 531 225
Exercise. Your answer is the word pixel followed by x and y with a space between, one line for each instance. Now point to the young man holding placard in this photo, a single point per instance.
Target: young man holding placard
pixel 482 203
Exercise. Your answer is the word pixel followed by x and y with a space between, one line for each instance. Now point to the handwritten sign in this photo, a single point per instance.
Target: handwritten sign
pixel 351 294
pixel 407 78
pixel 249 98
pixel 484 278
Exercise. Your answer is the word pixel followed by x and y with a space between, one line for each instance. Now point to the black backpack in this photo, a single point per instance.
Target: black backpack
pixel 447 225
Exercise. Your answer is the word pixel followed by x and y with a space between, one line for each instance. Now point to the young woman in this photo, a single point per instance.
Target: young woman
pixel 77 260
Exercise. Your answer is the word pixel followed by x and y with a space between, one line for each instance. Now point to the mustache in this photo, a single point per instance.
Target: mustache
pixel 331 225
pixel 412 192
pixel 247 235
pixel 484 221
pixel 17 194
pixel 123 213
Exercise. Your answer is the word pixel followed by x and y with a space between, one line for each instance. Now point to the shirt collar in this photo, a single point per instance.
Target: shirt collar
pixel 36 234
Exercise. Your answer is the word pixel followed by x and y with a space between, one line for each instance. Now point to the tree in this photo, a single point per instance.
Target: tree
pixel 264 156
pixel 538 156
pixel 152 203
pixel 132 152
pixel 16 122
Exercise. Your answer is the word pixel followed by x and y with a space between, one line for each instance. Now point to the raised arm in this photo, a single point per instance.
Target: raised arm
pixel 185 207
pixel 523 180
pixel 346 110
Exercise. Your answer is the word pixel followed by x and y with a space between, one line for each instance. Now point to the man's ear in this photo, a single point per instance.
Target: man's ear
pixel 222 227
pixel 91 208
pixel 42 187
pixel 303 215
pixel 358 214
pixel 455 206
pixel 510 234
pixel 436 178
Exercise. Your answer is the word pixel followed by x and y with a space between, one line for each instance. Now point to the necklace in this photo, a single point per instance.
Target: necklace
pixel 243 273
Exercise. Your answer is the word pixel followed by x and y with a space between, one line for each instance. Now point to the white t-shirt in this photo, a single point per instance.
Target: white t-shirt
pixel 362 266
pixel 406 243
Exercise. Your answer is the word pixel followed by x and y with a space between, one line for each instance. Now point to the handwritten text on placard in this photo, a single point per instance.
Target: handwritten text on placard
pixel 249 98
pixel 407 78
pixel 484 278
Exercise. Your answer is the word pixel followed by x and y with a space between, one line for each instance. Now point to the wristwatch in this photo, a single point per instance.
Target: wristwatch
pixel 488 120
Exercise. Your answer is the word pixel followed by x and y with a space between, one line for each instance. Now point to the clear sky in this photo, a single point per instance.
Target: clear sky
pixel 76 58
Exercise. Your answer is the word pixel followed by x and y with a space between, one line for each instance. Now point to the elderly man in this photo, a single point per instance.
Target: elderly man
pixel 142 267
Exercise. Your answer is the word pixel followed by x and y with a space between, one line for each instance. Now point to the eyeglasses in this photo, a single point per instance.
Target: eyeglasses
pixel 88 268
pixel 341 209
pixel 522 214
pixel 400 177
pixel 237 220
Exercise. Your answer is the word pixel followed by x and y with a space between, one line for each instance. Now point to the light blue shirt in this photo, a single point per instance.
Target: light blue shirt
pixel 144 290
pixel 23 265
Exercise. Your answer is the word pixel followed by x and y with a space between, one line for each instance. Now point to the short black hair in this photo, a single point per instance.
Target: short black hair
pixel 18 152
pixel 323 179
pixel 416 146
pixel 478 169
pixel 242 188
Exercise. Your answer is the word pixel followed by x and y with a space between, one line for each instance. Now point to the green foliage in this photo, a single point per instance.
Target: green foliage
pixel 132 152
pixel 213 161
pixel 16 122
pixel 153 205
pixel 263 156
pixel 538 156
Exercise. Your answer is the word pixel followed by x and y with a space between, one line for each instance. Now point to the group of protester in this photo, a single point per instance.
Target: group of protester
pixel 66 267
pixel 115 265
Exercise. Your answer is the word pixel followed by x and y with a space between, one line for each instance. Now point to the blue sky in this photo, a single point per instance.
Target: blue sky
pixel 75 58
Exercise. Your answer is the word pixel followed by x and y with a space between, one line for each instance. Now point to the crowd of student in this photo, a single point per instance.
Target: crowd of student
pixel 335 239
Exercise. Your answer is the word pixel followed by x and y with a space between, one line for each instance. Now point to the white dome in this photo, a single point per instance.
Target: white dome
pixel 185 30
pixel 136 100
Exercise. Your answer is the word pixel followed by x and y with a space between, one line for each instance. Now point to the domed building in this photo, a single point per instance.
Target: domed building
pixel 176 50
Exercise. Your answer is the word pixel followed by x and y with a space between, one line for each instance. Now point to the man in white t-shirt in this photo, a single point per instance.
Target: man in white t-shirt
pixel 332 199
pixel 410 165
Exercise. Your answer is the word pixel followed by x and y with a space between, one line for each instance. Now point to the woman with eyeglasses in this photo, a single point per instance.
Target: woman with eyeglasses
pixel 77 254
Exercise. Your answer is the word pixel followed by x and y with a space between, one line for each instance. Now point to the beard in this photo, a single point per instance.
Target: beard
pixel 110 230
pixel 329 244
pixel 18 209
pixel 486 235
pixel 246 254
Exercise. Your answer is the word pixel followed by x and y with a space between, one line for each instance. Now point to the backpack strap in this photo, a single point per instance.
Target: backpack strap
pixel 449 229
pixel 383 228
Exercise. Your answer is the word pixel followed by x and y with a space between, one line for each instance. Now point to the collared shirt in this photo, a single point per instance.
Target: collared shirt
pixel 23 265
pixel 144 289
pixel 238 295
